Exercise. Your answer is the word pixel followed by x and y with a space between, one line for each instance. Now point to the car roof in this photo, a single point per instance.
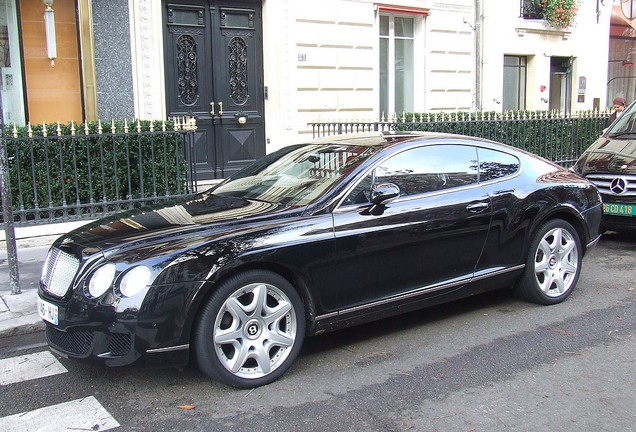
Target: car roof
pixel 383 138
pixel 389 138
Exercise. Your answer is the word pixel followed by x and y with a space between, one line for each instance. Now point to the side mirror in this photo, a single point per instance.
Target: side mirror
pixel 383 193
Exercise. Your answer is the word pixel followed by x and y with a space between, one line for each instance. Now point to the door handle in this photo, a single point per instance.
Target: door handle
pixel 220 108
pixel 477 207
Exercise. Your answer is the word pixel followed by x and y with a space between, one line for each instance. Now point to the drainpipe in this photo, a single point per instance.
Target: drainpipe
pixel 478 54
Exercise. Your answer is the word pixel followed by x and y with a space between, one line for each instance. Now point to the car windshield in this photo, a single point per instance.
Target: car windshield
pixel 296 175
pixel 626 123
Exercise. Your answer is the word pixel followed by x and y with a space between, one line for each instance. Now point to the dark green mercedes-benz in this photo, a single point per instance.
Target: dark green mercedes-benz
pixel 610 163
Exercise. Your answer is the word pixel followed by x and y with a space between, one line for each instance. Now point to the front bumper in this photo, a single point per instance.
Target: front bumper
pixel 110 347
pixel 97 333
pixel 619 223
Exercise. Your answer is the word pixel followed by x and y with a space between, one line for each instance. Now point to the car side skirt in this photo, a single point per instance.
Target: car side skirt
pixel 167 349
pixel 417 299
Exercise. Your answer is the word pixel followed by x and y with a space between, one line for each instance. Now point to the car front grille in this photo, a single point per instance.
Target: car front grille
pixel 58 272
pixel 623 185
pixel 79 343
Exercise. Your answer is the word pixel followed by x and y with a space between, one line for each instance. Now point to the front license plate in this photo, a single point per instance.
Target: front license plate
pixel 619 209
pixel 48 312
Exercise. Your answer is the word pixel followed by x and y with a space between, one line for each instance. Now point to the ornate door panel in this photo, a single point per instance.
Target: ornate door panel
pixel 239 84
pixel 213 60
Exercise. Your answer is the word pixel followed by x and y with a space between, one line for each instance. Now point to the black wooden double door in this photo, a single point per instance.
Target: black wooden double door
pixel 214 72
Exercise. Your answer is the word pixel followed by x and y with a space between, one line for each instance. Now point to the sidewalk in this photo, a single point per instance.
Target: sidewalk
pixel 18 313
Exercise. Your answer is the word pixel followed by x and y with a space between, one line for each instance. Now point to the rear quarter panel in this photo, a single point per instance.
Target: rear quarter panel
pixel 522 204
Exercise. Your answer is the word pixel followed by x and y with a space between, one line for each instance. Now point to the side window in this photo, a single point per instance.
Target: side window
pixel 429 169
pixel 361 194
pixel 495 164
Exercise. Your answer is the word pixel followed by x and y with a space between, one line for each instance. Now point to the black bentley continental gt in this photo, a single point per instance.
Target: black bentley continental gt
pixel 312 238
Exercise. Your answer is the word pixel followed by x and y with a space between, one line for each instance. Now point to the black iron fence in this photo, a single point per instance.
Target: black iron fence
pixel 556 137
pixel 75 172
pixel 81 172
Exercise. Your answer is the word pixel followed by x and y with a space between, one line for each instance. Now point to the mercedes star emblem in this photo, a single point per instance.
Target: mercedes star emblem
pixel 618 186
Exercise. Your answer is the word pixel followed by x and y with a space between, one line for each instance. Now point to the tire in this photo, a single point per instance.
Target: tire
pixel 553 265
pixel 250 331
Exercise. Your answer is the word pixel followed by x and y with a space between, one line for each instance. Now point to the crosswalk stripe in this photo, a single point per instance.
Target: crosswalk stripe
pixel 28 367
pixel 85 414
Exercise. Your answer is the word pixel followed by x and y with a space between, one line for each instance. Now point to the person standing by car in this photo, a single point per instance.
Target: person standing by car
pixel 618 107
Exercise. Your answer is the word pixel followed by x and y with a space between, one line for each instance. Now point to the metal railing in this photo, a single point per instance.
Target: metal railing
pixel 553 136
pixel 68 173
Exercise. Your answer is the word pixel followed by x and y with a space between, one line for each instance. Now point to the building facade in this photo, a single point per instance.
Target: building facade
pixel 255 72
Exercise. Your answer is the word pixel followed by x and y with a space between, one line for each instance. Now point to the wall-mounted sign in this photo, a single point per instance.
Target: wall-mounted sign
pixel 582 84
pixel 628 7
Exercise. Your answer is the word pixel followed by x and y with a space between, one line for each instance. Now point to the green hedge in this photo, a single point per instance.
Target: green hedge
pixel 548 134
pixel 81 169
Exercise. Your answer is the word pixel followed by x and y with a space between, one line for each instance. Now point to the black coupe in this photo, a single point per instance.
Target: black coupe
pixel 312 238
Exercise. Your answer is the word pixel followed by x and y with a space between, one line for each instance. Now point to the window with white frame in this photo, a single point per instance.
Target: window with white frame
pixel 11 90
pixel 397 63
pixel 514 82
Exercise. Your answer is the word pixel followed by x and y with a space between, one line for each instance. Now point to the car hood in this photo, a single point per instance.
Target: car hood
pixel 193 217
pixel 608 156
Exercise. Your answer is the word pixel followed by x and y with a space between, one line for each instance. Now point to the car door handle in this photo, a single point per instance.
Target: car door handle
pixel 477 207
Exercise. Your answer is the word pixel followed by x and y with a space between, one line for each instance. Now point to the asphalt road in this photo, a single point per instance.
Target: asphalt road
pixel 489 363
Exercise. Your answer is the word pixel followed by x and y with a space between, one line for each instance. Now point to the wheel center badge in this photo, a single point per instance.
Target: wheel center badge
pixel 252 329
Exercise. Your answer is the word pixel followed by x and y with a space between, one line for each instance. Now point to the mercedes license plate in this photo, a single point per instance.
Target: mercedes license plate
pixel 619 209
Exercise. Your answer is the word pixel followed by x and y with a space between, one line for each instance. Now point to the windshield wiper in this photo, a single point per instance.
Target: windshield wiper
pixel 623 133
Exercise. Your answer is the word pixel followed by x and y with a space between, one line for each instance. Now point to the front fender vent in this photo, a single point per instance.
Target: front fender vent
pixel 119 344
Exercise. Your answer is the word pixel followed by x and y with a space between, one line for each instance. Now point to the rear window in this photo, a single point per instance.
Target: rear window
pixel 494 164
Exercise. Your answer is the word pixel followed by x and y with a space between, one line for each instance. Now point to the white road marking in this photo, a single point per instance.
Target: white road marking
pixel 28 367
pixel 85 414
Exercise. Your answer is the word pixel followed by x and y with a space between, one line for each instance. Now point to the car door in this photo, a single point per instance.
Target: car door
pixel 423 243
pixel 499 176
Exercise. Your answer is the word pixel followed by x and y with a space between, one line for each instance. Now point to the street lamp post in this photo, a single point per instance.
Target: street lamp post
pixel 7 211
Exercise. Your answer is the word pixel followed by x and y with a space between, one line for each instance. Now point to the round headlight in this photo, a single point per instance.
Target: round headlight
pixel 134 281
pixel 101 280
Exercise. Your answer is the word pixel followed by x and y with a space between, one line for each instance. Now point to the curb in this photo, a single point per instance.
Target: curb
pixel 21 326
